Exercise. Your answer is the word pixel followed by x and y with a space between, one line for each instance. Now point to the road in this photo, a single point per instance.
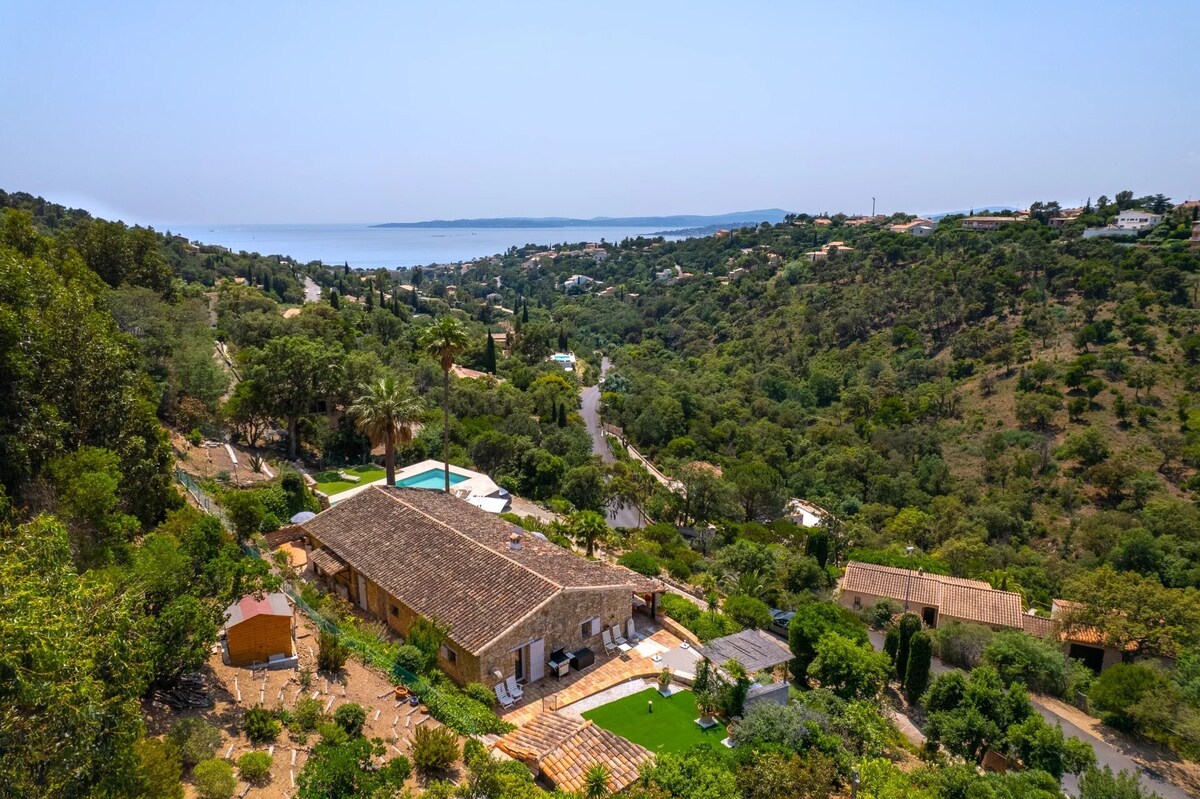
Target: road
pixel 1107 752
pixel 312 292
pixel 590 411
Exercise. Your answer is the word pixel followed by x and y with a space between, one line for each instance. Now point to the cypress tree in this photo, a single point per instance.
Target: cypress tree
pixel 370 297
pixel 382 300
pixel 489 356
pixel 910 623
pixel 920 657
pixel 416 307
pixel 334 302
pixel 395 304
pixel 562 415
pixel 266 281
pixel 562 340
pixel 891 642
pixel 553 410
pixel 525 311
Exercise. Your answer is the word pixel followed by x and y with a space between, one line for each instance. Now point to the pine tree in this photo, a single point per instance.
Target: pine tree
pixel 489 356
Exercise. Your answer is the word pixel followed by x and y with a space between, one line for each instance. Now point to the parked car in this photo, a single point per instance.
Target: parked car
pixel 780 619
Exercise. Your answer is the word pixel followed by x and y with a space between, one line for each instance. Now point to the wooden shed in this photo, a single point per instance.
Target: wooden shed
pixel 257 629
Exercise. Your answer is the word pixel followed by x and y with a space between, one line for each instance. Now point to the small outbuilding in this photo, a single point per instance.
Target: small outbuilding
pixel 260 631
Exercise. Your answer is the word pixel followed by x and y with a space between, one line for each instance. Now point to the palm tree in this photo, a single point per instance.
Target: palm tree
pixel 445 339
pixel 589 527
pixel 596 782
pixel 386 410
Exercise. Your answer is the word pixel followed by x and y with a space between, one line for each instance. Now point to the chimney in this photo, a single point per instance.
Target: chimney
pixel 514 541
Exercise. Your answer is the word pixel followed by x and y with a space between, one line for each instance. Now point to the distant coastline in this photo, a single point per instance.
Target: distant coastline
pixel 690 221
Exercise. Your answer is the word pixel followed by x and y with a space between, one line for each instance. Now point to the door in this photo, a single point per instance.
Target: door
pixel 362 592
pixel 537 659
pixel 929 615
pixel 519 664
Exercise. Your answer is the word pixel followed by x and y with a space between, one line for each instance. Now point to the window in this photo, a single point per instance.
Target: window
pixel 857 602
pixel 395 611
pixel 449 654
pixel 585 629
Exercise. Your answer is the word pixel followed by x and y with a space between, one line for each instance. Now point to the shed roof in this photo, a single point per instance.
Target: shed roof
pixel 954 597
pixel 563 748
pixel 754 649
pixel 449 560
pixel 249 606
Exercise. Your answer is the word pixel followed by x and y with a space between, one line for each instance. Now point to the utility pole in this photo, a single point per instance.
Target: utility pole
pixel 908 589
pixel 872 207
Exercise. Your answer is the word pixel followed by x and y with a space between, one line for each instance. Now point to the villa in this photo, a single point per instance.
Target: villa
pixel 933 597
pixel 564 359
pixel 918 227
pixel 509 602
pixel 987 222
pixel 1129 222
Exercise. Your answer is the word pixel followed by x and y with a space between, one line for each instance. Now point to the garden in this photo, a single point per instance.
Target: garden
pixel 331 482
pixel 659 723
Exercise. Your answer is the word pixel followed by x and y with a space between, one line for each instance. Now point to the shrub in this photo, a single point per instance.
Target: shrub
pixel 332 653
pixel 891 642
pixel 214 779
pixel 1119 688
pixel 411 659
pixel 848 667
pixel 254 767
pixel 308 714
pixel 879 615
pixel 480 693
pixel 679 568
pixel 1018 657
pixel 260 725
pixel 351 718
pixel 961 644
pixel 920 657
pixel 196 740
pixel 434 749
pixel 748 611
pixel 641 562
pixel 159 769
pixel 814 621
pixel 679 609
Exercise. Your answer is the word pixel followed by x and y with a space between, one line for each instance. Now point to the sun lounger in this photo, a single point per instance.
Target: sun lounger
pixel 502 696
pixel 513 689
pixel 618 640
pixel 609 646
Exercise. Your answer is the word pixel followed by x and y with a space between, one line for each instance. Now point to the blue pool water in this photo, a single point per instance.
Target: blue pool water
pixel 562 358
pixel 432 478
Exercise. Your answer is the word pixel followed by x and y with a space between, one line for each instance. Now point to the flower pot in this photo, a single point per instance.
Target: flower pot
pixel 401 692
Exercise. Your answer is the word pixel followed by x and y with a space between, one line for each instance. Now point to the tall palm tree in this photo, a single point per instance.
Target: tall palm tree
pixel 386 410
pixel 444 340
pixel 589 527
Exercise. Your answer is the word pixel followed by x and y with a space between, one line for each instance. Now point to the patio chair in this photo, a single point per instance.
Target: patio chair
pixel 513 689
pixel 609 646
pixel 631 633
pixel 502 696
pixel 619 640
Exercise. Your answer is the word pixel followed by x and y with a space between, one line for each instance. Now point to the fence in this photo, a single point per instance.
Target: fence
pixel 445 705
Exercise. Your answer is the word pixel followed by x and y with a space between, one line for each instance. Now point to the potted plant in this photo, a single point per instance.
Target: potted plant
pixel 706 705
pixel 664 682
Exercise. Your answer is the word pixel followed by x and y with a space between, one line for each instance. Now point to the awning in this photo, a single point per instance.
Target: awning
pixel 327 562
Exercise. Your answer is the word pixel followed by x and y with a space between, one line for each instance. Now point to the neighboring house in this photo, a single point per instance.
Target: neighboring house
pixel 738 274
pixel 507 600
pixel 494 299
pixel 804 513
pixel 600 256
pixel 934 597
pixel 611 291
pixel 560 749
pixel 917 227
pixel 260 631
pixel 577 282
pixel 1195 239
pixel 472 374
pixel 828 250
pixel 1137 219
pixel 986 222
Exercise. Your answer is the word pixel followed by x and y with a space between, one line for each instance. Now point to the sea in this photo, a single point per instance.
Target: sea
pixel 367 247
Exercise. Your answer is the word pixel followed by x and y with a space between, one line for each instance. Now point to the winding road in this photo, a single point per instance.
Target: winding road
pixel 590 411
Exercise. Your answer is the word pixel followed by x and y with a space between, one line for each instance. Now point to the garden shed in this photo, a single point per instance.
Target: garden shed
pixel 260 630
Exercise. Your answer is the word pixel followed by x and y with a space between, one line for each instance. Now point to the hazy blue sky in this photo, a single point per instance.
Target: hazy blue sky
pixel 361 112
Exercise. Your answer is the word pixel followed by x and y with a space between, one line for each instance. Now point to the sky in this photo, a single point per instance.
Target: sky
pixel 263 112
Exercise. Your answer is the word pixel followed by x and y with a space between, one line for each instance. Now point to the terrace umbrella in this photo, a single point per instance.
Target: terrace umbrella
pixel 303 516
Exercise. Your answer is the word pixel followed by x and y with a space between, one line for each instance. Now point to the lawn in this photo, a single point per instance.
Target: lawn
pixel 671 727
pixel 329 483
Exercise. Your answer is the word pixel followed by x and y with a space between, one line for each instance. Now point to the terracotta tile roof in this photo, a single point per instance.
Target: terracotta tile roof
pixel 449 560
pixel 1038 626
pixel 954 597
pixel 327 562
pixel 564 748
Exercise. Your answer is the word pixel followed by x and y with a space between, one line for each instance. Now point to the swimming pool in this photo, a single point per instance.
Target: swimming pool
pixel 431 478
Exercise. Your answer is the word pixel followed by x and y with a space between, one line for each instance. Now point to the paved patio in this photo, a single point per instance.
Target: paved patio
pixel 550 694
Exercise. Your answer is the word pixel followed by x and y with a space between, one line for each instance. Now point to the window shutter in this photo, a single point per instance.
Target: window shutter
pixel 596 625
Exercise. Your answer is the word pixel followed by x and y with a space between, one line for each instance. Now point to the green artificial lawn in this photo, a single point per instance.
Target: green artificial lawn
pixel 671 727
pixel 329 483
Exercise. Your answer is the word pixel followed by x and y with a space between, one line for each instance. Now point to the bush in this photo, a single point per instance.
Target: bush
pixel 351 718
pixel 434 749
pixel 254 767
pixel 196 740
pixel 961 644
pixel 411 659
pixel 214 779
pixel 679 568
pixel 308 714
pixel 879 616
pixel 260 725
pixel 159 770
pixel 641 562
pixel 1119 688
pixel 891 642
pixel 813 622
pixel 332 653
pixel 480 693
pixel 916 674
pixel 1018 657
pixel 458 711
pixel 748 611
